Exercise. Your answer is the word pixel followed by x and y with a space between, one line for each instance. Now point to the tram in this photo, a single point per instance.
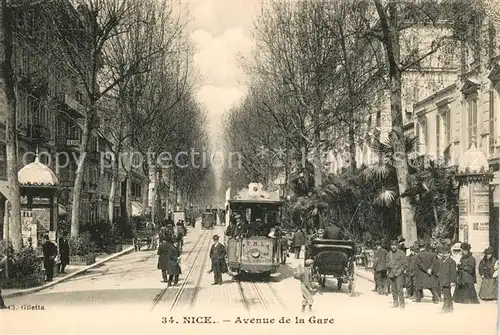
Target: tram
pixel 253 247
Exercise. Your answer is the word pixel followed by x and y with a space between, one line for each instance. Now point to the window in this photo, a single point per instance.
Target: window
pixel 422 134
pixel 443 124
pixel 492 120
pixel 3 162
pixel 472 120
pixel 439 138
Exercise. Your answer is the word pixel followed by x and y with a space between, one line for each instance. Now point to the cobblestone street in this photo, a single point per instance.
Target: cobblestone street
pixel 129 291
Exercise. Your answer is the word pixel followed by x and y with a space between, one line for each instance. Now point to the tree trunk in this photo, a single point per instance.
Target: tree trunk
pixel 392 47
pixel 80 173
pixel 352 150
pixel 8 85
pixel 159 178
pixel 112 191
pixel 128 196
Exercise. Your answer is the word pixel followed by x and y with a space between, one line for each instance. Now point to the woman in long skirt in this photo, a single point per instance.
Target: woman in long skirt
pixel 489 285
pixel 465 292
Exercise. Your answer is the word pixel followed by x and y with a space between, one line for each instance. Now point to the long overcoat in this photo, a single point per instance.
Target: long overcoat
pixel 447 272
pixel 380 260
pixel 218 258
pixel 467 269
pixel 299 239
pixel 64 250
pixel 424 261
pixel 168 258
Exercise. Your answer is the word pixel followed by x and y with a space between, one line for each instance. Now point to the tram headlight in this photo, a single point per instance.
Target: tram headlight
pixel 255 253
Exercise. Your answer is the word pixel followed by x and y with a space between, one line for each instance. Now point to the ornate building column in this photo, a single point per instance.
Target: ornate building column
pixel 474 205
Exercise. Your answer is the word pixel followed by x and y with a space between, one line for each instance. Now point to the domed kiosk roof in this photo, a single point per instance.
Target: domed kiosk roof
pixel 37 174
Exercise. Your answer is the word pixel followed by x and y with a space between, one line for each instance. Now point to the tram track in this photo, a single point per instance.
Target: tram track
pixel 164 295
pixel 257 296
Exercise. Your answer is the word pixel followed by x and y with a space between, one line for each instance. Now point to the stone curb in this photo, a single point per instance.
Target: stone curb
pixel 57 281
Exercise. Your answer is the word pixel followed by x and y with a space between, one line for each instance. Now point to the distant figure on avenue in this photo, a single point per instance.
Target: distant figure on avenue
pixel 168 262
pixel 299 239
pixel 426 273
pixel 410 273
pixel 489 284
pixel 447 277
pixel 396 267
pixel 49 255
pixel 284 247
pixel 465 292
pixel 306 284
pixel 218 258
pixel 332 232
pixel 3 261
pixel 380 268
pixel 230 230
pixel 64 252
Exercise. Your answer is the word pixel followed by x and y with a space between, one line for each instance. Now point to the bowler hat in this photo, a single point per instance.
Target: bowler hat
pixel 488 251
pixel 215 237
pixel 465 246
pixel 421 244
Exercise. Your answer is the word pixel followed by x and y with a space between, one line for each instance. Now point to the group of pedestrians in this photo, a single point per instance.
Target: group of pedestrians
pixel 422 268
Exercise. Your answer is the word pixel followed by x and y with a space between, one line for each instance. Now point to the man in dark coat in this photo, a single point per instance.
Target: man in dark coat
pixel 410 273
pixel 299 239
pixel 218 258
pixel 49 255
pixel 426 274
pixel 380 268
pixel 168 261
pixel 332 232
pixel 396 267
pixel 447 276
pixel 64 252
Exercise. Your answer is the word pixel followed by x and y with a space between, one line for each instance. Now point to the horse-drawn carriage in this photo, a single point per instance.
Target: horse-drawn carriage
pixel 208 220
pixel 334 258
pixel 145 234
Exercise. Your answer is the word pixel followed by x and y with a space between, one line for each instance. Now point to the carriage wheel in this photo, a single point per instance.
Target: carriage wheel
pixel 339 283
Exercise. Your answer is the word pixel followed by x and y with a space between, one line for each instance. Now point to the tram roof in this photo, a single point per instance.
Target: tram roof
pixel 256 197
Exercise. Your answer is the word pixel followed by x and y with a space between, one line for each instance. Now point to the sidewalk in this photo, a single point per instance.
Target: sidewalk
pixel 71 271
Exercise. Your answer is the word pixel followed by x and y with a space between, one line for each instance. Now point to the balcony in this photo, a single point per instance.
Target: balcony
pixel 90 187
pixel 73 107
pixel 34 133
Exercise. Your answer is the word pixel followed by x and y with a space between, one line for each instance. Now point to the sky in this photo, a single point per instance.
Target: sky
pixel 221 31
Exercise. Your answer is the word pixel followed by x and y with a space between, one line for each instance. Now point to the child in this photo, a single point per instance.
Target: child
pixel 447 276
pixel 306 284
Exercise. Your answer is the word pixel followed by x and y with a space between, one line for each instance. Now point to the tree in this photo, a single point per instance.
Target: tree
pixel 84 43
pixel 146 96
pixel 8 82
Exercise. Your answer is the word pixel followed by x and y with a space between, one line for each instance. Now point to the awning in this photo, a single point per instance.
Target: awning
pixel 137 208
pixel 62 210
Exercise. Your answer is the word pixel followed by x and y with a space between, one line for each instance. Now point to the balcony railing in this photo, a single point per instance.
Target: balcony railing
pixel 74 106
pixel 34 133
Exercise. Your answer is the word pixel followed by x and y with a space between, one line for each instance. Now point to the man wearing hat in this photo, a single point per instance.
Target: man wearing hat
pixel 380 268
pixel 411 272
pixel 426 274
pixel 396 267
pixel 218 258
pixel 447 276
